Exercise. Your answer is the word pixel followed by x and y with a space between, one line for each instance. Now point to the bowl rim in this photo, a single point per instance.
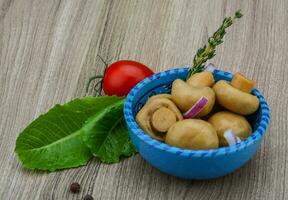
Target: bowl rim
pixel 136 130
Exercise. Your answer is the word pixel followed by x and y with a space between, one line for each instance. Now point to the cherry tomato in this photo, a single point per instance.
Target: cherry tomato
pixel 121 76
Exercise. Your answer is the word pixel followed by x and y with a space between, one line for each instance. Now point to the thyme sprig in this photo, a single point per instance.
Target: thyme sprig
pixel 208 51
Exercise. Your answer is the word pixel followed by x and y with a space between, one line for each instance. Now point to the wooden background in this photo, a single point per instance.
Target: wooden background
pixel 48 52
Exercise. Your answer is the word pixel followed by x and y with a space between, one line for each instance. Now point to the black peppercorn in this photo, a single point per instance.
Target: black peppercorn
pixel 88 197
pixel 75 187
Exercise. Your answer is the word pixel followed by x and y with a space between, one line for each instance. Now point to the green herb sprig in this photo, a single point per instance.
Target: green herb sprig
pixel 208 51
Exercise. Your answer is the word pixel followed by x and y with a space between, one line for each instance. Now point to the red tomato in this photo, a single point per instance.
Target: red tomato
pixel 121 76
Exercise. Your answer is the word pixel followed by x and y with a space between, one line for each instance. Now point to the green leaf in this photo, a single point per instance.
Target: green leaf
pixel 106 135
pixel 53 141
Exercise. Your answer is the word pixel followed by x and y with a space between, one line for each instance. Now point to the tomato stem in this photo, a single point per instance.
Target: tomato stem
pixel 92 79
pixel 102 60
pixel 99 89
pixel 100 82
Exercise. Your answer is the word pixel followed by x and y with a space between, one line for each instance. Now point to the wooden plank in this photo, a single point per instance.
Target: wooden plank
pixel 48 51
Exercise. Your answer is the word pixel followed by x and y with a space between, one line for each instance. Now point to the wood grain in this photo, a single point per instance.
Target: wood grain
pixel 48 52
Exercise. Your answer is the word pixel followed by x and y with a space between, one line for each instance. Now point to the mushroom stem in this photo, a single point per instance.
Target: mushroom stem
pixel 162 119
pixel 242 83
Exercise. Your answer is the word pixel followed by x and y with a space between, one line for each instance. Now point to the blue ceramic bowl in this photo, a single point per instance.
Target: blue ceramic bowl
pixel 184 163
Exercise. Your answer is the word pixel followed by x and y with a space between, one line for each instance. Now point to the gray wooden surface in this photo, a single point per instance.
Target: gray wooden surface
pixel 48 52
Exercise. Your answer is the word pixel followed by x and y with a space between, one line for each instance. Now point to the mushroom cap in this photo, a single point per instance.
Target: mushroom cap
pixel 223 121
pixel 144 116
pixel 185 96
pixel 201 79
pixel 192 134
pixel 167 96
pixel 216 108
pixel 234 99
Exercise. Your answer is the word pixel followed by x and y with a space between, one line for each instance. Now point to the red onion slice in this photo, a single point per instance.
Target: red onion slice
pixel 231 138
pixel 196 108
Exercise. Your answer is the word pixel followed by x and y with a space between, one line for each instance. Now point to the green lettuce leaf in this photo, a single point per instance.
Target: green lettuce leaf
pixel 53 141
pixel 106 134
